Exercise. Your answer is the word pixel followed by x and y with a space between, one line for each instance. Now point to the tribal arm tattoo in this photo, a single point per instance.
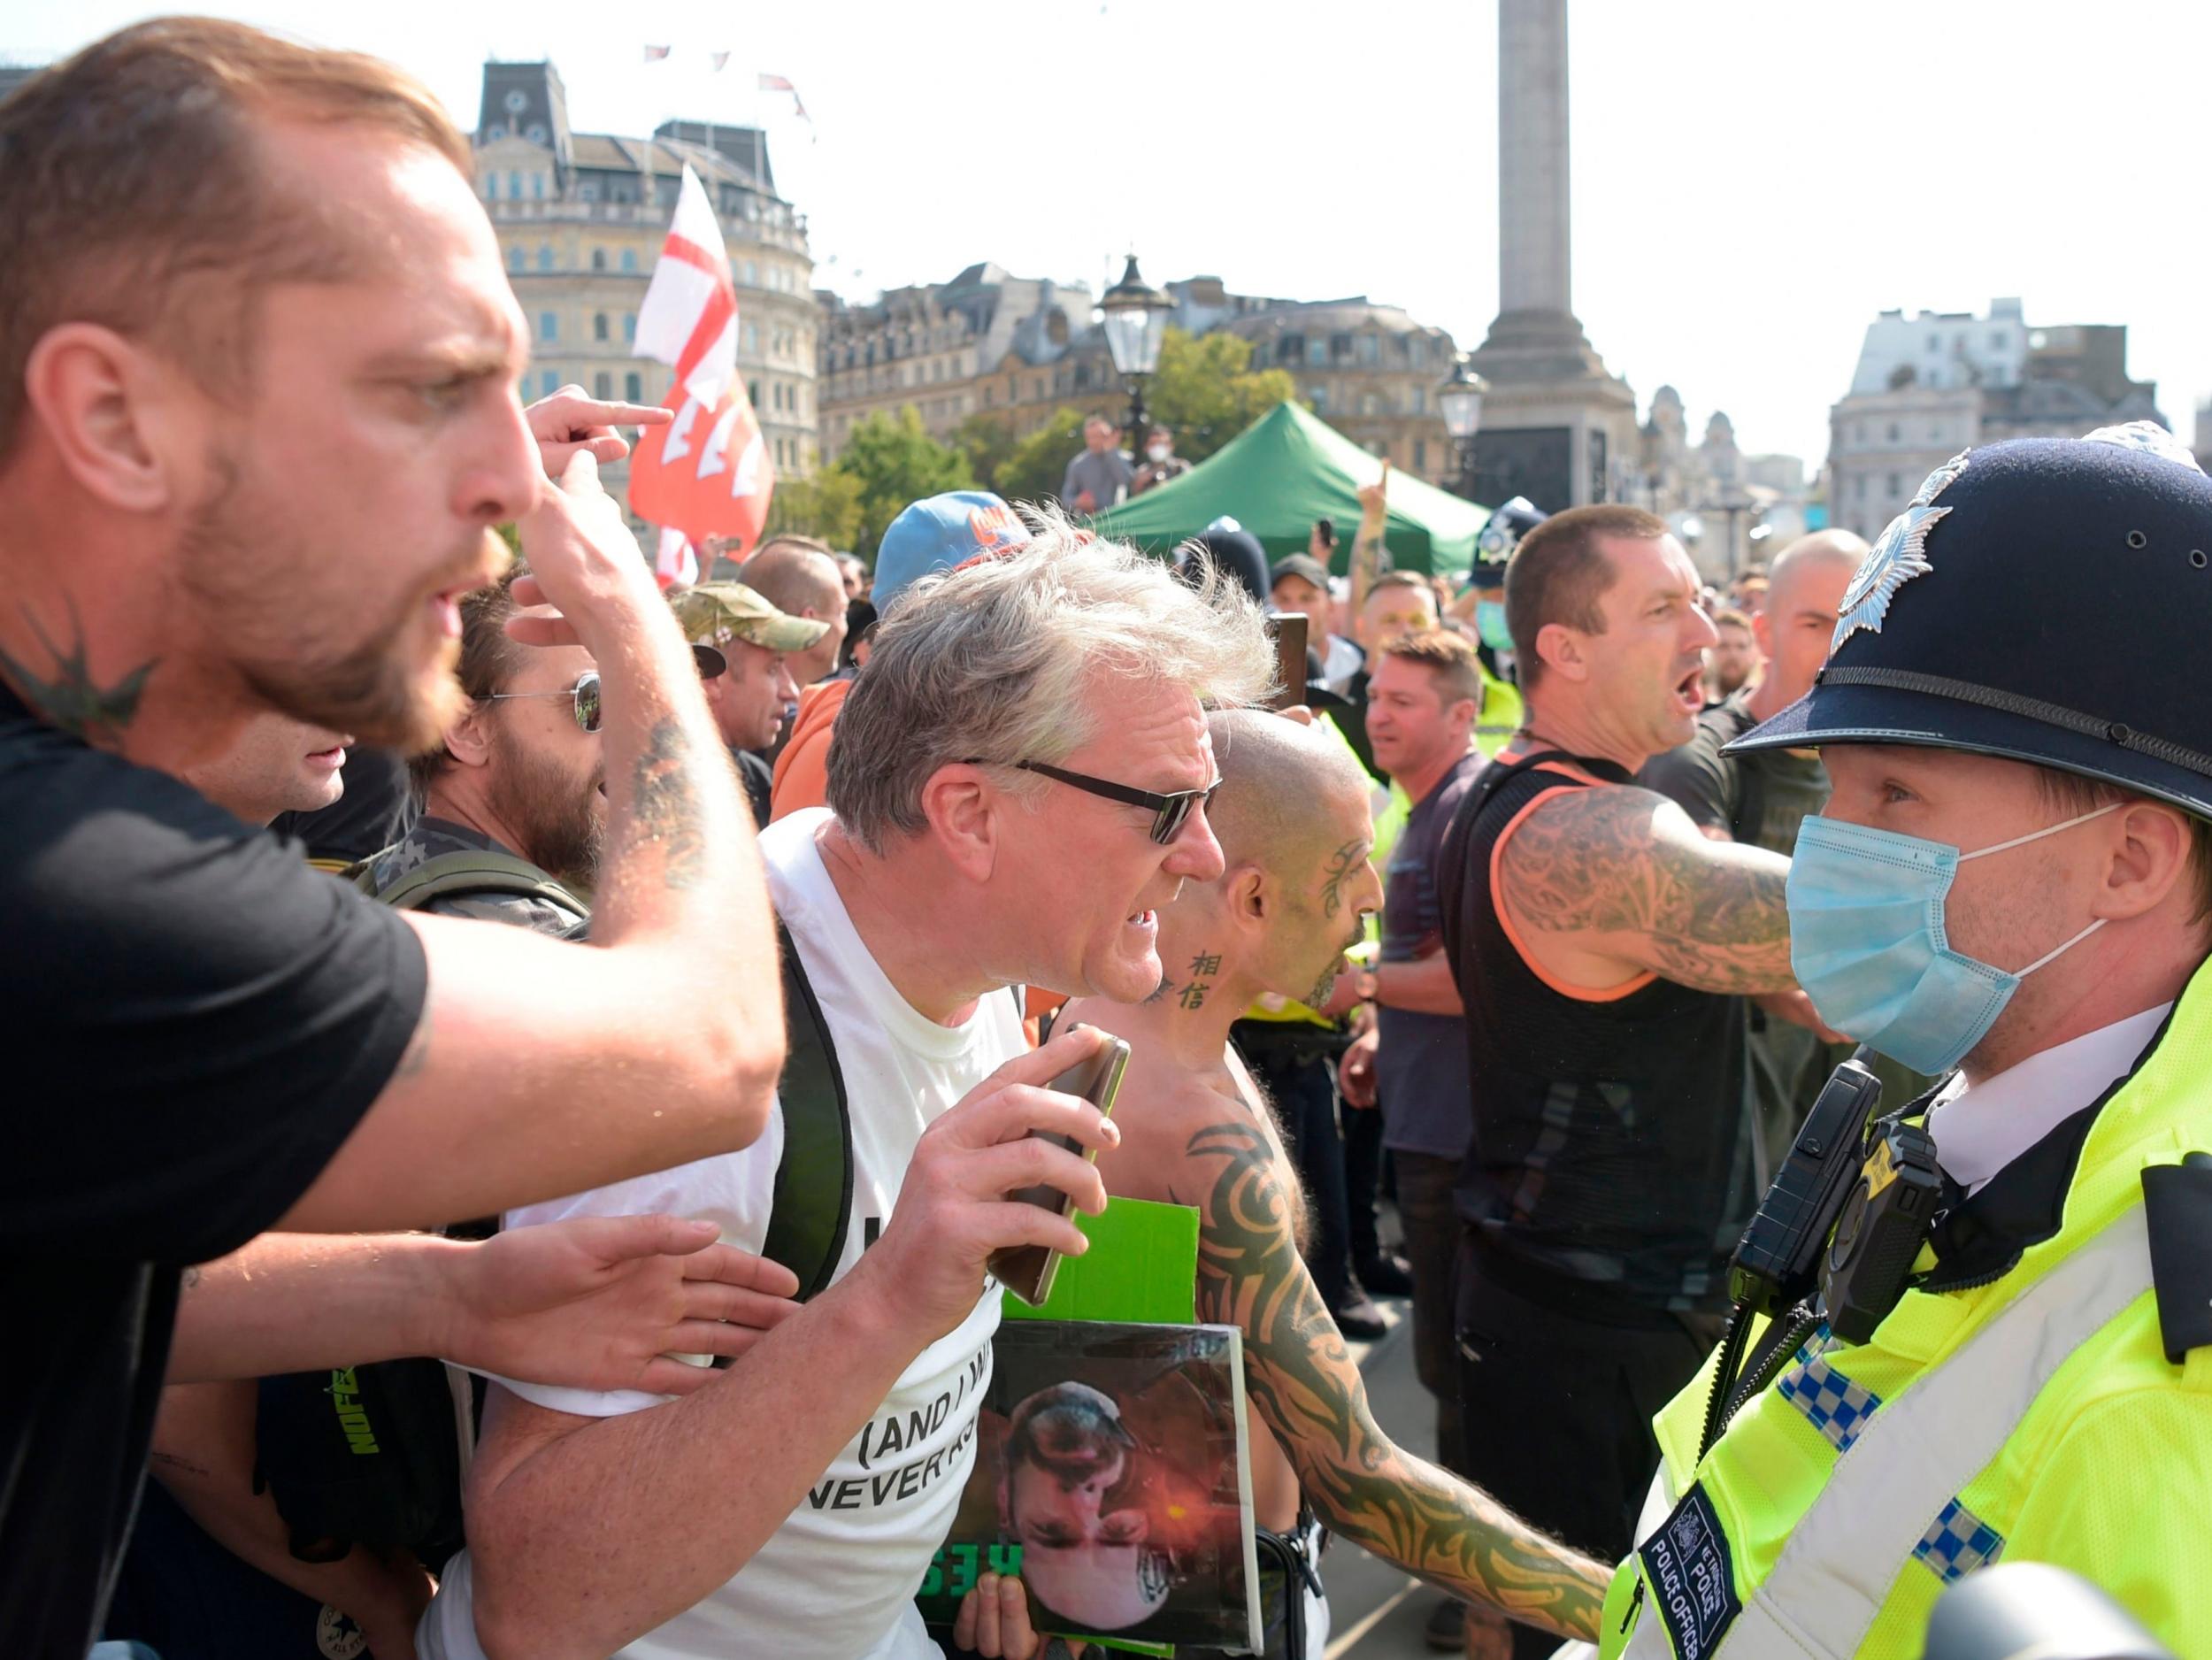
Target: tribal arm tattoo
pixel 72 699
pixel 665 805
pixel 1629 863
pixel 1304 1383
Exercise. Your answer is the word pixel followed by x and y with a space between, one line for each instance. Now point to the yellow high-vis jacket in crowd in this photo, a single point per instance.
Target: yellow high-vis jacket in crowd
pixel 2031 1412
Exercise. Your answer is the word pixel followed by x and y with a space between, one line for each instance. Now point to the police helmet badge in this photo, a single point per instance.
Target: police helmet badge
pixel 1899 556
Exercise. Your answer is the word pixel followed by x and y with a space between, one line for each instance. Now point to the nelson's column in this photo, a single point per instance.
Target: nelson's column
pixel 1555 422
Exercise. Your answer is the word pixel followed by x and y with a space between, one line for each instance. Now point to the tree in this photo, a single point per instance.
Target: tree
pixel 893 462
pixel 1207 392
pixel 987 440
pixel 826 505
pixel 1033 470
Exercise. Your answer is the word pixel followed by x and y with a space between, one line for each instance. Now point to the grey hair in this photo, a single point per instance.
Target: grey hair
pixel 988 662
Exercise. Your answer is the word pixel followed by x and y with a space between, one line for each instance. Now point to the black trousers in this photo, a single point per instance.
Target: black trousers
pixel 1362 1169
pixel 1299 1077
pixel 1433 1229
pixel 1555 1411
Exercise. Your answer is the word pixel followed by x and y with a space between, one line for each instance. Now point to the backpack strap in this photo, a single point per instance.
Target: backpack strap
pixel 470 871
pixel 812 1204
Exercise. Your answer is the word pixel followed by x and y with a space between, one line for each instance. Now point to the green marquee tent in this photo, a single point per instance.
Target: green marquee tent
pixel 1285 470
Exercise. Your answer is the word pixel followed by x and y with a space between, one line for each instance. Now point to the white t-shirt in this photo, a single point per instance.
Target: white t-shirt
pixel 837 1580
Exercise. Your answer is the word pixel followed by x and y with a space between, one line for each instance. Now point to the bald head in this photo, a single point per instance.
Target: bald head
pixel 799 577
pixel 1799 620
pixel 1287 791
pixel 1813 559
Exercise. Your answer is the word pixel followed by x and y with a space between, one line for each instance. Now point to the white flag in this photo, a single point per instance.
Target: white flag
pixel 688 320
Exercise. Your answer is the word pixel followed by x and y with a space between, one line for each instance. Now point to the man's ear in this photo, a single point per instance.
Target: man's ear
pixel 1560 650
pixel 1762 632
pixel 112 410
pixel 2152 850
pixel 964 813
pixel 468 740
pixel 1249 896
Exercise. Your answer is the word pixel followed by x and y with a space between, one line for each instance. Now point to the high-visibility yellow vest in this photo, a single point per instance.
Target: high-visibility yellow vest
pixel 2036 1416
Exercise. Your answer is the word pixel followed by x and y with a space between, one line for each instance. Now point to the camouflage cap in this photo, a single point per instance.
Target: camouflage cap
pixel 715 611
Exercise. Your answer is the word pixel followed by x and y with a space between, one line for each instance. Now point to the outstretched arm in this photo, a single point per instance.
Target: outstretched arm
pixel 1304 1383
pixel 1605 881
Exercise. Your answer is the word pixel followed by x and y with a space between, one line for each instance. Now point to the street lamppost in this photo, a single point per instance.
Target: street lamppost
pixel 1136 315
pixel 1460 399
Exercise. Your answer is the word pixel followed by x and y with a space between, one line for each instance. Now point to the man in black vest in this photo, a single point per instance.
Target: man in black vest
pixel 1604 949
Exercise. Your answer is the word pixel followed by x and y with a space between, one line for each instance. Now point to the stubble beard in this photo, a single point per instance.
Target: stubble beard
pixel 233 565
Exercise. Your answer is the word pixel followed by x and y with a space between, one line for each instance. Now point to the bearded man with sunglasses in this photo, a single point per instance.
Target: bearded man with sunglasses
pixel 519 774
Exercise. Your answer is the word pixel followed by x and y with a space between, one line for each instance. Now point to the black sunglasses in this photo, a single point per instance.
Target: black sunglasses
pixel 1171 812
pixel 585 694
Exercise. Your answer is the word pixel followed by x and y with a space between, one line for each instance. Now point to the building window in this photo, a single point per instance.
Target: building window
pixel 752 340
pixel 603 385
pixel 514 184
pixel 1893 432
pixel 549 383
pixel 515 261
pixel 1317 353
pixel 634 386
pixel 750 276
pixel 491 186
pixel 589 190
pixel 599 260
pixel 1318 396
pixel 1370 349
pixel 1420 455
pixel 1420 404
pixel 545 256
pixel 629 326
pixel 599 326
pixel 549 326
pixel 1896 486
pixel 537 185
pixel 629 259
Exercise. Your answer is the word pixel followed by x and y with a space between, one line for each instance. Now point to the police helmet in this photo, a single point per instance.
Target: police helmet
pixel 2043 600
pixel 1499 535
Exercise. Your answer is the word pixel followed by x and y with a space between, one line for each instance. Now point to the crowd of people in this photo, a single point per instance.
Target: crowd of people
pixel 527 1072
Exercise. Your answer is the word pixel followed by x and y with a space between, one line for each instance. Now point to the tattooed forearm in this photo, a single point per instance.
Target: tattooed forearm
pixel 1304 1382
pixel 72 699
pixel 665 805
pixel 1704 913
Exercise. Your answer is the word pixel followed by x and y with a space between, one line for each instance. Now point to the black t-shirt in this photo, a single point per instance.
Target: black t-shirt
pixel 1760 798
pixel 759 780
pixel 195 1021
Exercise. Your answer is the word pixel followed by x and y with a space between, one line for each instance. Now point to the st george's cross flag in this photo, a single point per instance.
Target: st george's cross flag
pixel 706 473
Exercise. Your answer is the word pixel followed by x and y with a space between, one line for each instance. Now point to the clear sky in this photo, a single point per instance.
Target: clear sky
pixel 1753 179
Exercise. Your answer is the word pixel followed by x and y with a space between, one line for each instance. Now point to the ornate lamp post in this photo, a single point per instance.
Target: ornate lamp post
pixel 1460 399
pixel 1136 315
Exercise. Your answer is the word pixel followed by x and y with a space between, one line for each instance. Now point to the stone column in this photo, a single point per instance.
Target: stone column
pixel 1533 215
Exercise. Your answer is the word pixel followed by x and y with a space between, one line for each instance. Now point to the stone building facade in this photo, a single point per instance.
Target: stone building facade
pixel 581 218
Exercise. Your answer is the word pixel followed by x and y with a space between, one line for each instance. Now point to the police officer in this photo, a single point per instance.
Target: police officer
pixel 2013 879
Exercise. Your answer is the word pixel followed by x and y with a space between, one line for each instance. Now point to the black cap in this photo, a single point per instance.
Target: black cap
pixel 2045 600
pixel 1299 565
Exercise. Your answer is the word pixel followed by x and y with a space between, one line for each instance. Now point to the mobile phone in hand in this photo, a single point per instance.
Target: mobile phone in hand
pixel 1028 1271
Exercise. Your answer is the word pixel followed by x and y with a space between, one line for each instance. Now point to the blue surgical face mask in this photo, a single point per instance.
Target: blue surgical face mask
pixel 1490 624
pixel 1868 944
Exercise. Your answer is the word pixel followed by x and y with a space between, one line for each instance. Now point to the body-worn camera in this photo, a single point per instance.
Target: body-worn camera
pixel 1884 1219
pixel 1778 1262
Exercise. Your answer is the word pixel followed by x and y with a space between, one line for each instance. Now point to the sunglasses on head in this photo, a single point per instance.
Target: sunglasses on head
pixel 1170 811
pixel 584 694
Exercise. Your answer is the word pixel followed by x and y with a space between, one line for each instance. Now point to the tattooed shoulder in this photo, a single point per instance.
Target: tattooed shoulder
pixel 1622 861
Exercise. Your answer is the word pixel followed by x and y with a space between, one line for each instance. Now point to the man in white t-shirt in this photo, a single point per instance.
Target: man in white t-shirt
pixel 1018 785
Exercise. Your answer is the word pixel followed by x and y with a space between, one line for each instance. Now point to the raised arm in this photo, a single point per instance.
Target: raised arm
pixel 1604 882
pixel 658 1044
pixel 1367 544
pixel 1303 1381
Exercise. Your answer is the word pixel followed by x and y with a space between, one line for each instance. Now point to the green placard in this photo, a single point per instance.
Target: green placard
pixel 1142 1268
